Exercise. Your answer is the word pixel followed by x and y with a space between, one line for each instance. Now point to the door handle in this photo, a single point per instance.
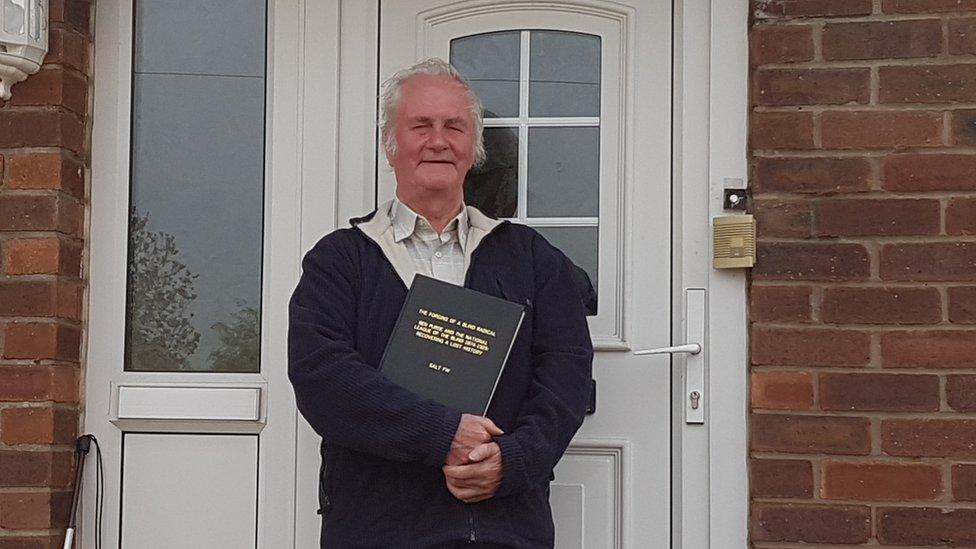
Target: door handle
pixel 695 321
pixel 690 348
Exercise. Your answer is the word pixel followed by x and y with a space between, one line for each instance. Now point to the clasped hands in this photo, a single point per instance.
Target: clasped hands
pixel 473 470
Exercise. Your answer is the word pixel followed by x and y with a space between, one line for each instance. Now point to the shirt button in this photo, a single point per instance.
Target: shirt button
pixel 438 254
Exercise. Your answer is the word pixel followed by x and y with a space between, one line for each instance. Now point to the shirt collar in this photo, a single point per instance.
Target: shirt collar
pixel 405 221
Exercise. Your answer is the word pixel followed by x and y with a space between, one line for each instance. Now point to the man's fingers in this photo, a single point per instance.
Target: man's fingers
pixel 483 451
pixel 461 472
pixel 492 429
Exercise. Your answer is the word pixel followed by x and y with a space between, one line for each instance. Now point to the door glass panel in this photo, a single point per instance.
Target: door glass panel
pixel 539 171
pixel 490 63
pixel 578 243
pixel 197 187
pixel 564 74
pixel 564 172
pixel 493 186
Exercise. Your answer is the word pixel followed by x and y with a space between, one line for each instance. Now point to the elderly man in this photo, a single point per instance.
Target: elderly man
pixel 399 470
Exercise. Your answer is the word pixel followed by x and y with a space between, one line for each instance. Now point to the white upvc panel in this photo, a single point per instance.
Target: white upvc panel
pixel 189 491
pixel 188 402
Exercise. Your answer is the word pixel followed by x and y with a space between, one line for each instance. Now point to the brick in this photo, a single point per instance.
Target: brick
pixel 46 171
pixel 34 510
pixel 964 482
pixel 882 40
pixel 881 306
pixel 929 349
pixel 962 304
pixel 784 87
pixel 927 84
pixel 780 478
pixel 885 217
pixel 929 438
pixel 962 36
pixel 811 8
pixel 779 303
pixel 36 468
pixel 811 175
pixel 67 48
pixel 47 127
pixel 963 127
pixel 881 481
pixel 930 172
pixel 53 212
pixel 961 393
pixel 40 298
pixel 811 261
pixel 879 392
pixel 810 523
pixel 75 13
pixel 781 130
pixel 781 390
pixel 35 340
pixel 809 347
pixel 39 383
pixel 928 6
pixel 780 44
pixel 932 261
pixel 42 256
pixel 810 434
pixel 961 216
pixel 880 129
pixel 32 542
pixel 38 426
pixel 783 218
pixel 54 86
pixel 927 526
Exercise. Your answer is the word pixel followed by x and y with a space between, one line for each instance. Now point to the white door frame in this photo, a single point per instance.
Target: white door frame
pixel 330 38
pixel 710 462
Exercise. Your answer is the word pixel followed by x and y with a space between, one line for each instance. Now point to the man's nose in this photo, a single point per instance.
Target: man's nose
pixel 437 139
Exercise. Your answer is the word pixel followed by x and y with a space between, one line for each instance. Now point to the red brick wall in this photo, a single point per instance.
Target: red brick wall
pixel 43 159
pixel 863 301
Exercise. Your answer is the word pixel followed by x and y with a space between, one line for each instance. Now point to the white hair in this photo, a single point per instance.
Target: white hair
pixel 391 97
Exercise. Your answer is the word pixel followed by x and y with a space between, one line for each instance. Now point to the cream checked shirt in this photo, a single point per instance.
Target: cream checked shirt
pixel 440 256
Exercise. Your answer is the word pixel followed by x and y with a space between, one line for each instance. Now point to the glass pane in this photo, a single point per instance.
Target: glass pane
pixel 196 219
pixel 580 244
pixel 564 74
pixel 493 187
pixel 564 172
pixel 14 16
pixel 224 37
pixel 490 63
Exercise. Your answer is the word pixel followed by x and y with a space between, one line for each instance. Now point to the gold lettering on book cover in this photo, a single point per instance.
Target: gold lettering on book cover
pixel 454 333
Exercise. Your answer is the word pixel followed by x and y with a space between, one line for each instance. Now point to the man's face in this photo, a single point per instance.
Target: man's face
pixel 434 135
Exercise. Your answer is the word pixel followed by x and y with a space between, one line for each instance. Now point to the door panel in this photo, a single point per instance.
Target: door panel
pixel 612 488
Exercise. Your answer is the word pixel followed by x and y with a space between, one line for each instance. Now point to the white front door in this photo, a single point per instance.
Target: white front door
pixel 579 147
pixel 578 130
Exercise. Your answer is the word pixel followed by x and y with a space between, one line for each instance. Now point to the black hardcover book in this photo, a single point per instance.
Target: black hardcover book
pixel 450 344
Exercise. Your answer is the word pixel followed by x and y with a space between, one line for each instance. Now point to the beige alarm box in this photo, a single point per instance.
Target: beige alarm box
pixel 734 241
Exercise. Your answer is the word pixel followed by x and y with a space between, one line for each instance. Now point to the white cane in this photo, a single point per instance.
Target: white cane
pixel 82 446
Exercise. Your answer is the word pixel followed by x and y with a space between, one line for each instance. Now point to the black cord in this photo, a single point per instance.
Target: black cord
pixel 99 494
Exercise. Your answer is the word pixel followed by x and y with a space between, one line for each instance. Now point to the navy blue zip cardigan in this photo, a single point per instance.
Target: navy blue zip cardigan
pixel 381 483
